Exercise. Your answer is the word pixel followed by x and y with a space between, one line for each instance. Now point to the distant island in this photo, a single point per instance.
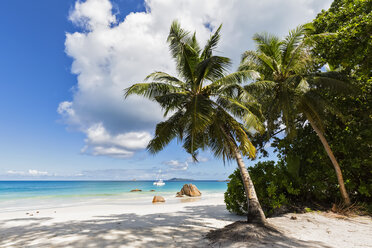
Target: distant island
pixel 180 179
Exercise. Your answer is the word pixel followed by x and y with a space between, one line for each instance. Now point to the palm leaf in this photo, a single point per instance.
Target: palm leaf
pixel 163 77
pixel 166 131
pixel 151 90
pixel 211 44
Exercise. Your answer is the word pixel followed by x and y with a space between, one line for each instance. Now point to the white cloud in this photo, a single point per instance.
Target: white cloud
pixel 12 172
pixel 37 173
pixel 100 142
pixel 30 172
pixel 92 14
pixel 110 55
pixel 177 165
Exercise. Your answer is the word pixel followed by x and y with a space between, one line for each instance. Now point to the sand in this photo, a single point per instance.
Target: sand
pixel 176 223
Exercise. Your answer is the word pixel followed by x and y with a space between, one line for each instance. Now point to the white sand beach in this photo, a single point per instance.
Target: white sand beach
pixel 180 223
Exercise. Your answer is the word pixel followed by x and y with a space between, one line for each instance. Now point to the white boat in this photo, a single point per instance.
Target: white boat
pixel 159 182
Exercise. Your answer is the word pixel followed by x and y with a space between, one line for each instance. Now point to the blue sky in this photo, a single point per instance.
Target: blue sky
pixel 64 63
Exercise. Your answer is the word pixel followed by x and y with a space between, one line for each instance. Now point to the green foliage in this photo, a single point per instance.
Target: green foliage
pixel 349 142
pixel 288 82
pixel 274 184
pixel 274 187
pixel 348 48
pixel 348 43
pixel 290 86
pixel 308 210
pixel 235 198
pixel 303 174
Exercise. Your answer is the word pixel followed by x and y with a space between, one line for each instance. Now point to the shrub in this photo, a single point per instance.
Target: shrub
pixel 273 186
pixel 235 197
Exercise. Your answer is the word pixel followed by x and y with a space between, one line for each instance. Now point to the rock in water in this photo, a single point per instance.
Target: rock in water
pixel 136 190
pixel 190 190
pixel 179 194
pixel 158 198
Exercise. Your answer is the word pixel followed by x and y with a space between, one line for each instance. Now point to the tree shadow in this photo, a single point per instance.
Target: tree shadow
pixel 243 234
pixel 186 228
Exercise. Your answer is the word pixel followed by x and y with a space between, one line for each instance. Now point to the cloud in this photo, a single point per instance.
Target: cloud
pixel 203 159
pixel 30 172
pixel 92 14
pixel 109 55
pixel 177 165
pixel 100 142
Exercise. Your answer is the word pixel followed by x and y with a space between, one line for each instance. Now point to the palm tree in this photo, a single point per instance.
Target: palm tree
pixel 204 112
pixel 287 85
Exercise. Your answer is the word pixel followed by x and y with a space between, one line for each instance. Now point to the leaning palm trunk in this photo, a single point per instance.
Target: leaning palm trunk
pixel 340 179
pixel 255 212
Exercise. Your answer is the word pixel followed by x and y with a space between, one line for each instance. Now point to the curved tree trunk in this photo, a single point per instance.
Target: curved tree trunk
pixel 255 212
pixel 340 179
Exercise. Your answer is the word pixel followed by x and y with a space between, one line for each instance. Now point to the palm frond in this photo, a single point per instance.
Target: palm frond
pixel 151 90
pixel 212 68
pixel 199 109
pixel 260 62
pixel 172 101
pixel 222 134
pixel 246 111
pixel 303 86
pixel 193 42
pixel 184 54
pixel 312 112
pixel 166 131
pixel 333 81
pixel 177 39
pixel 211 44
pixel 269 45
pixel 237 77
pixel 260 86
pixel 163 77
pixel 291 42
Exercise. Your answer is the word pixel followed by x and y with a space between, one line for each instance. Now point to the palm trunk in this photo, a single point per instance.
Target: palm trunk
pixel 255 212
pixel 340 179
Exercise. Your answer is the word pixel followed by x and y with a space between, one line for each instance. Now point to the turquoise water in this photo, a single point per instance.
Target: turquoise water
pixel 15 195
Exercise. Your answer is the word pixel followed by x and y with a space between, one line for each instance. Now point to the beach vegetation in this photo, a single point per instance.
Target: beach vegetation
pixel 276 188
pixel 289 87
pixel 348 49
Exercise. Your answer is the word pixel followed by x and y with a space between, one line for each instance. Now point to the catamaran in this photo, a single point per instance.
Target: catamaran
pixel 159 181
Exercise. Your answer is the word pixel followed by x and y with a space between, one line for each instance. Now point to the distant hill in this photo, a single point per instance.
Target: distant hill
pixel 180 179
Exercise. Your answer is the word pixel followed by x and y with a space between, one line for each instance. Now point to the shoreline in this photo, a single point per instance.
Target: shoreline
pixel 125 199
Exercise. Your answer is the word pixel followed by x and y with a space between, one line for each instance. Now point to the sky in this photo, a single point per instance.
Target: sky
pixel 64 66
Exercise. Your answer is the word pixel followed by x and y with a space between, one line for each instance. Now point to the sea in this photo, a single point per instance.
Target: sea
pixel 29 195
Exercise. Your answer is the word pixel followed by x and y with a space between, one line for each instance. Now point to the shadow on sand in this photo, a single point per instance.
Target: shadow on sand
pixel 187 228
